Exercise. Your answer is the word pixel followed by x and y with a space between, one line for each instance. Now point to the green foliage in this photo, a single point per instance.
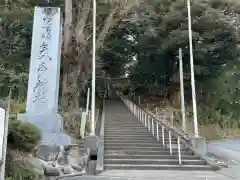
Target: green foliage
pixel 15 38
pixel 210 115
pixel 22 139
pixel 23 136
pixel 14 57
pixel 147 48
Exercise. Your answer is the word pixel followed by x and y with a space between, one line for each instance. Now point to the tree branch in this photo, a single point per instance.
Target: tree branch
pixel 68 26
pixel 80 38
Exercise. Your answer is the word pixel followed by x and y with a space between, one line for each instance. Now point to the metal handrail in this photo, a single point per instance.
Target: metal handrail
pixel 180 138
pixel 158 121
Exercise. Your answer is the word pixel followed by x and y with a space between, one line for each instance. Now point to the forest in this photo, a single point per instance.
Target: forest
pixel 139 38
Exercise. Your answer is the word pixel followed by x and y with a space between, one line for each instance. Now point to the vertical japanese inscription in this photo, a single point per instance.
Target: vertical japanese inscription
pixel 40 86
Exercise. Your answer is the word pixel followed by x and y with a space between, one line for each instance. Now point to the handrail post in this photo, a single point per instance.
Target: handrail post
pixel 157 132
pixel 163 139
pixel 179 151
pixel 140 117
pixel 149 123
pixel 170 142
pixel 133 110
pixel 145 119
pixel 136 111
pixel 153 127
pixel 139 113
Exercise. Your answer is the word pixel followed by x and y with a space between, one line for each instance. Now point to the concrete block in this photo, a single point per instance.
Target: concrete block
pixel 199 145
pixel 67 170
pixel 51 171
pixel 92 143
pixel 100 158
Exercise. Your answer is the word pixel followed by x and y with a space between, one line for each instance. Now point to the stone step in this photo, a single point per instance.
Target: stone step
pixel 124 125
pixel 129 139
pixel 157 167
pixel 119 120
pixel 116 133
pixel 127 122
pixel 133 137
pixel 126 128
pixel 120 134
pixel 144 134
pixel 153 161
pixel 140 148
pixel 150 156
pixel 138 136
pixel 135 129
pixel 138 141
pixel 162 152
pixel 139 145
pixel 145 152
pixel 132 130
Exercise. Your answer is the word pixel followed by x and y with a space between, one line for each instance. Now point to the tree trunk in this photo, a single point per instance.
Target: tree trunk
pixel 76 43
pixel 67 50
pixel 6 8
pixel 68 27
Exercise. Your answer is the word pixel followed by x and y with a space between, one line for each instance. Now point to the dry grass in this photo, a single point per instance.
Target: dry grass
pixel 18 107
pixel 210 132
pixel 72 123
pixel 18 166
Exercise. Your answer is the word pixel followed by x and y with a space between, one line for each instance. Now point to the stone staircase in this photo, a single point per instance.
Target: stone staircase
pixel 128 144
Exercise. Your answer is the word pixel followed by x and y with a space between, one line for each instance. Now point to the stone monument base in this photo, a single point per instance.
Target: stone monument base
pixel 51 127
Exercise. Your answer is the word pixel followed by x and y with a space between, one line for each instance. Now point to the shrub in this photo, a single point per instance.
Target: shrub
pixel 23 136
pixel 19 171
